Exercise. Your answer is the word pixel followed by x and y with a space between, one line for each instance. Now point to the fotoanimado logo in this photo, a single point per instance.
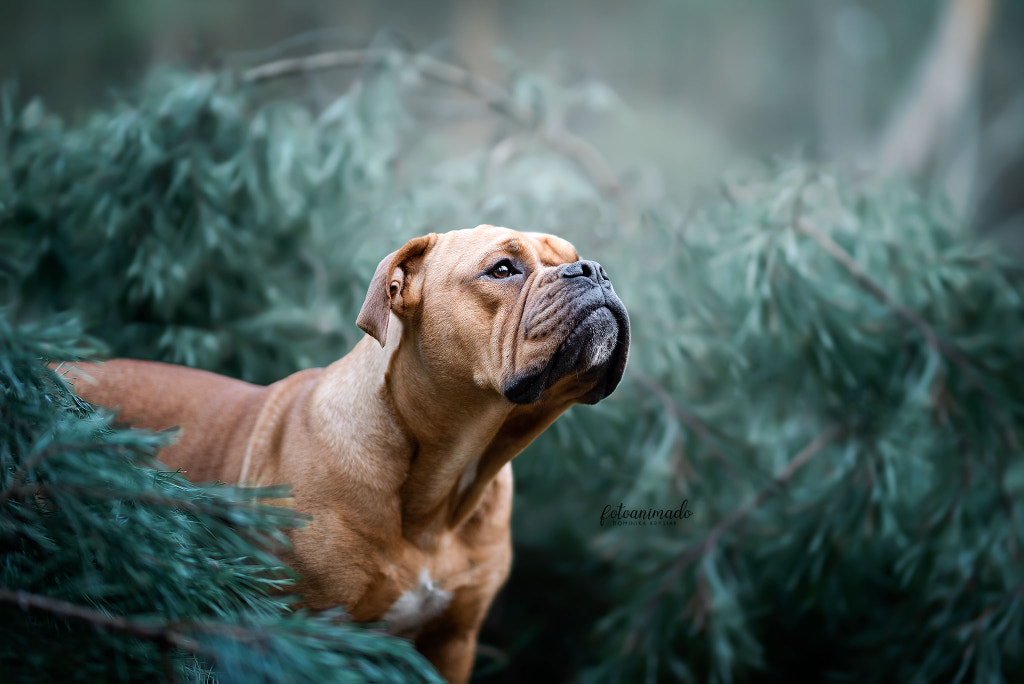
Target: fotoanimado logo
pixel 643 517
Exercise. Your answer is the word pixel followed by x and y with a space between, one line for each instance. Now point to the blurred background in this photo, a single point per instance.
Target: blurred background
pixel 688 88
pixel 825 362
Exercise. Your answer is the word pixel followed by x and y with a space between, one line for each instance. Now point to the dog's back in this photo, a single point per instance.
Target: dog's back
pixel 212 411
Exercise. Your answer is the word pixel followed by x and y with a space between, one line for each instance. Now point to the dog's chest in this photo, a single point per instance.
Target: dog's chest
pixel 420 586
pixel 417 606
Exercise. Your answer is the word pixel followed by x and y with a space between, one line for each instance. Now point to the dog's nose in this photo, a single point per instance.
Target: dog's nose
pixel 583 269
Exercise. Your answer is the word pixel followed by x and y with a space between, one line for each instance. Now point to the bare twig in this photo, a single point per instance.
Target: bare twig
pixel 495 97
pixel 291 66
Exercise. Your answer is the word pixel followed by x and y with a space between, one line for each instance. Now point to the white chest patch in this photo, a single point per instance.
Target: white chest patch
pixel 416 607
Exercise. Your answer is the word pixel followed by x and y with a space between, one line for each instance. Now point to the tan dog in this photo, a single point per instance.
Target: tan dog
pixel 477 340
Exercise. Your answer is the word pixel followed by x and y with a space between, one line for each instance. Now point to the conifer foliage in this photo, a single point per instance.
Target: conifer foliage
pixel 114 569
pixel 826 368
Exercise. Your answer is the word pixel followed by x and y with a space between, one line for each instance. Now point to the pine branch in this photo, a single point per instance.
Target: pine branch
pixel 709 433
pixel 864 280
pixel 692 421
pixel 179 192
pixel 17 482
pixel 802 458
pixel 498 99
pixel 948 349
pixel 101 621
pixel 96 493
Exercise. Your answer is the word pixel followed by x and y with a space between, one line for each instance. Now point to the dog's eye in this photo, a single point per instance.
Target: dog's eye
pixel 504 269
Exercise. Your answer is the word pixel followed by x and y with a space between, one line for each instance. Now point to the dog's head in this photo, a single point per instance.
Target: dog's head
pixel 515 312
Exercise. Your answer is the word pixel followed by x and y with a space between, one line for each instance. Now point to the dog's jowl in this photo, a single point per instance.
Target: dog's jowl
pixel 476 341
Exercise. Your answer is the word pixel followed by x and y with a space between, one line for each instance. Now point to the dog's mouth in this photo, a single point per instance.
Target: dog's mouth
pixel 595 351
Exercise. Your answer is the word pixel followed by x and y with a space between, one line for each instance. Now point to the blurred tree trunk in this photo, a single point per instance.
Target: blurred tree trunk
pixel 936 100
pixel 477 35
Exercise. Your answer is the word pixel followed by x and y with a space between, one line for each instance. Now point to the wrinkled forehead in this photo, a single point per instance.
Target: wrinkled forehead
pixel 552 250
pixel 484 242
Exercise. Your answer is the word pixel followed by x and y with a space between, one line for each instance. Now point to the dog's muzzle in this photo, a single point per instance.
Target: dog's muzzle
pixel 582 325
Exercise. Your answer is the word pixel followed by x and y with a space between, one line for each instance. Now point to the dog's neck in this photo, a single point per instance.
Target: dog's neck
pixel 452 446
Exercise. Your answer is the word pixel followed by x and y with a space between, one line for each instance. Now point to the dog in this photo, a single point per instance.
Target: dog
pixel 476 341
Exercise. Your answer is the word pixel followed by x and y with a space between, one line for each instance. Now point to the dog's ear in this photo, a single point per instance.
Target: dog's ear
pixel 388 287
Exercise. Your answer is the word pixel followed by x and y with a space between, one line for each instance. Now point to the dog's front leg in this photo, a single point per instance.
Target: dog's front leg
pixel 449 640
pixel 449 647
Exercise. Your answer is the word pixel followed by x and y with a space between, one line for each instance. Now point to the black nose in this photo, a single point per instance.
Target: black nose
pixel 583 269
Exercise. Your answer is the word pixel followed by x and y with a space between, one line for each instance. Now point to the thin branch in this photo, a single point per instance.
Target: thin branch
pixel 426 66
pixel 495 97
pixel 291 66
pixel 100 621
pixel 164 635
pixel 492 95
